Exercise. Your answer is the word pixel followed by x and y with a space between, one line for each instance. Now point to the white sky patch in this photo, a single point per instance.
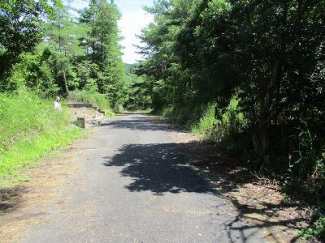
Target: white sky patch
pixel 78 4
pixel 133 19
pixel 130 25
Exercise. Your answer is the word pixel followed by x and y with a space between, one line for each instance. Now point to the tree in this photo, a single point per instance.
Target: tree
pixel 162 64
pixel 20 30
pixel 62 36
pixel 208 51
pixel 103 48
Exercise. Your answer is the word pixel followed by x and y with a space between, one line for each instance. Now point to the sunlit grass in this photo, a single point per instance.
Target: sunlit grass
pixel 30 128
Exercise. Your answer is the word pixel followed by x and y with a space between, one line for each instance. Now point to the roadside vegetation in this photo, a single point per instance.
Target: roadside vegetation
pixel 248 75
pixel 137 97
pixel 29 128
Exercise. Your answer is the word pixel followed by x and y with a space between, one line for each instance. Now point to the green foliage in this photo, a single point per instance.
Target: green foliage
pixel 316 230
pixel 73 54
pixel 225 127
pixel 34 71
pixel 63 37
pixel 306 171
pixel 86 74
pixel 63 34
pixel 208 50
pixel 20 30
pixel 201 52
pixel 138 94
pixel 207 122
pixel 104 51
pixel 30 127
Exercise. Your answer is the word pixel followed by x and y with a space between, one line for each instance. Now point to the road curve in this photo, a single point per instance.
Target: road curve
pixel 134 185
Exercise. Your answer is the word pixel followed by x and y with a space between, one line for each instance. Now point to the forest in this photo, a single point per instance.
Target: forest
pixel 51 49
pixel 247 75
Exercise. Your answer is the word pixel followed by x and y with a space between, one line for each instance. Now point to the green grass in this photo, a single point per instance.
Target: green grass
pixel 219 128
pixel 30 128
pixel 205 125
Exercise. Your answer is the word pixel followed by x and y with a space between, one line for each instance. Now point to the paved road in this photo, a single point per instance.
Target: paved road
pixel 134 185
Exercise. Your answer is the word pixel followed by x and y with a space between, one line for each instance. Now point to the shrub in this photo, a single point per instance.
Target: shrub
pixel 316 230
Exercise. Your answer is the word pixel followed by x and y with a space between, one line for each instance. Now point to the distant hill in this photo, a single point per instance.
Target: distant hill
pixel 129 67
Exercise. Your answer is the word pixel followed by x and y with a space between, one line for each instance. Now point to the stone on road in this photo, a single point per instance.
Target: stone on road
pixel 134 185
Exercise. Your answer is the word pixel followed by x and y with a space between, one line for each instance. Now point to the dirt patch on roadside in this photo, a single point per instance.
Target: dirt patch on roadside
pixel 24 204
pixel 92 116
pixel 260 202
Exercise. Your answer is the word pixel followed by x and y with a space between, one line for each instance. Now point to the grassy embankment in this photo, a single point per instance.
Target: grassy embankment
pixel 30 128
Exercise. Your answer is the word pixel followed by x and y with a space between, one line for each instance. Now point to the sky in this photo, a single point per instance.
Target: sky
pixel 133 19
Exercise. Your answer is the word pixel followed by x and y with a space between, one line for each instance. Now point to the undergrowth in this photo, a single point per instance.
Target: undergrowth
pixel 222 128
pixel 316 230
pixel 29 128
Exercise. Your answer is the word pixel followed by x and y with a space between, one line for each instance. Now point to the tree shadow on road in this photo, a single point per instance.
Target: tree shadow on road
pixel 159 168
pixel 193 167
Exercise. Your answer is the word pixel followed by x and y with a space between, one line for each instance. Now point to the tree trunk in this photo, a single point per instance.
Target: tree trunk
pixel 267 89
pixel 266 94
pixel 263 128
pixel 65 84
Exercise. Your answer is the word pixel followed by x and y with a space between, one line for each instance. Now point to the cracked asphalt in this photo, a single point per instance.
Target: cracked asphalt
pixel 133 184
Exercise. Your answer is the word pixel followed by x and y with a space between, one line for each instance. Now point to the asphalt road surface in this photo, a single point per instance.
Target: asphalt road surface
pixel 134 185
